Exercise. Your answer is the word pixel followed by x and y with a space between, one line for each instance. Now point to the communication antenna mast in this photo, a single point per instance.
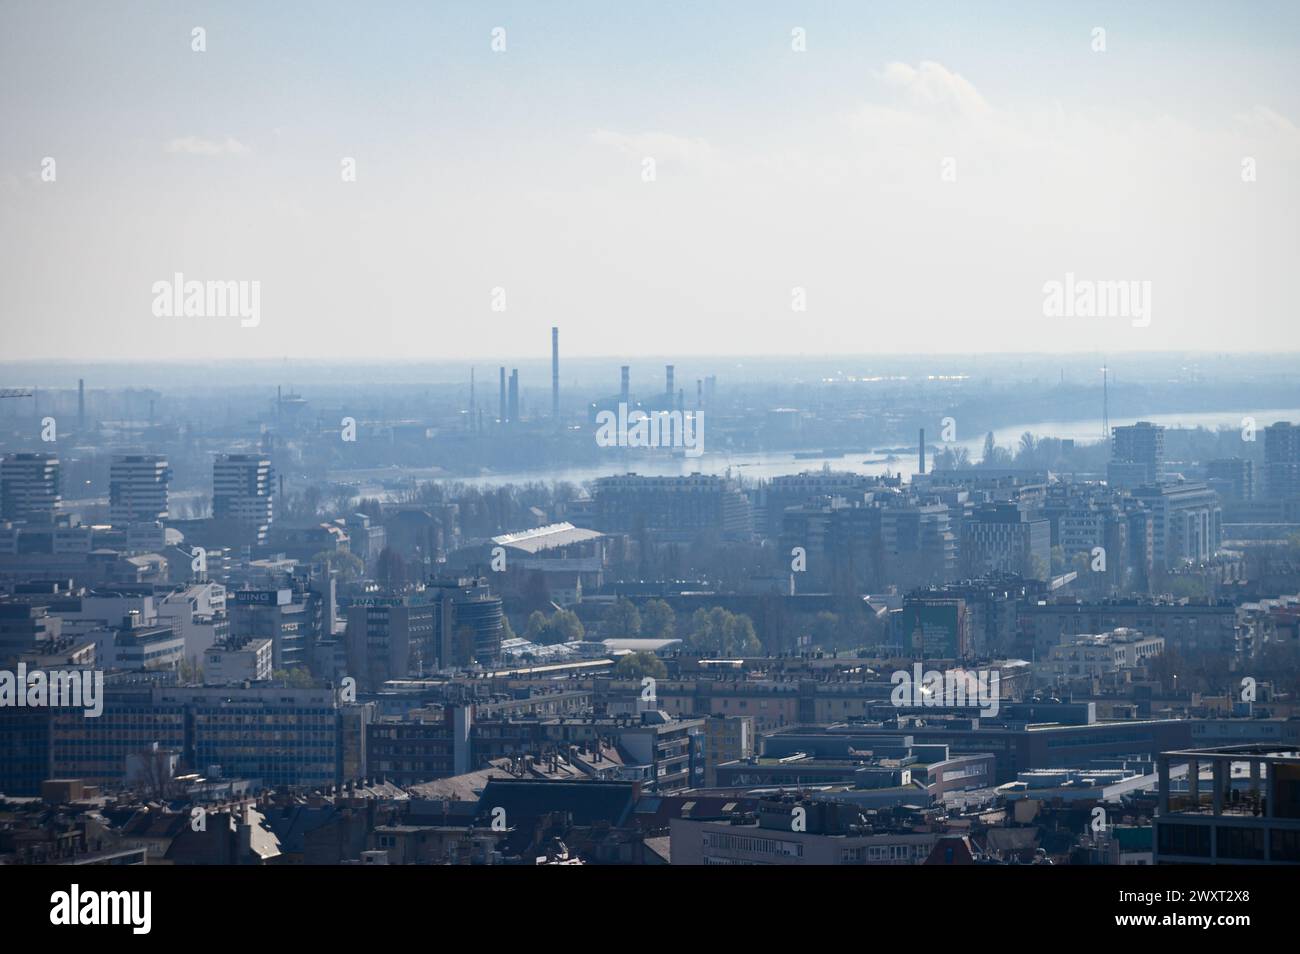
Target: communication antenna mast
pixel 1105 401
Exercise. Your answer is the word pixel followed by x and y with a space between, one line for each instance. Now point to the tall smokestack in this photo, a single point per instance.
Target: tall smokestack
pixel 514 395
pixel 625 390
pixel 471 399
pixel 922 450
pixel 81 404
pixel 503 395
pixel 668 374
pixel 555 373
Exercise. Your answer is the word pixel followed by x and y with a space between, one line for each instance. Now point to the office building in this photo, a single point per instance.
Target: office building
pixel 1141 444
pixel 671 508
pixel 242 491
pixel 1230 805
pixel 29 487
pixel 1086 657
pixel 1282 460
pixel 1004 538
pixel 233 663
pixel 1186 521
pixel 274 734
pixel 390 635
pixel 137 489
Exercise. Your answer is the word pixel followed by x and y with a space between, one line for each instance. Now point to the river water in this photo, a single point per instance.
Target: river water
pixel 764 465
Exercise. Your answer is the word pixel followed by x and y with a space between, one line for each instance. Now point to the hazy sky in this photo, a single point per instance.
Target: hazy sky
pixel 523 170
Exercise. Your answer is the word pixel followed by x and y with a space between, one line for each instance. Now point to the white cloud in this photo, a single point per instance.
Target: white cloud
pixel 932 86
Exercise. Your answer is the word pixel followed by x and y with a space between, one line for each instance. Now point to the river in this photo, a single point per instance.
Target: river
pixel 764 465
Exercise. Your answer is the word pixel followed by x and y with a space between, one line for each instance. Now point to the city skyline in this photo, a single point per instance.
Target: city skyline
pixel 674 437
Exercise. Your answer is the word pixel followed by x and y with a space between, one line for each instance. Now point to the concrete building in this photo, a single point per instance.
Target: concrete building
pixel 726 739
pixel 1282 460
pixel 273 734
pixel 1186 521
pixel 1004 538
pixel 242 493
pixel 198 612
pixel 1187 627
pixel 470 622
pixel 390 635
pixel 231 664
pixel 918 538
pixel 139 645
pixel 1087 656
pixel 26 626
pixel 421 630
pixel 137 489
pixel 288 616
pixel 794 490
pixel 29 487
pixel 671 508
pixel 1142 443
pixel 1235 804
pixel 656 749
pixel 366 539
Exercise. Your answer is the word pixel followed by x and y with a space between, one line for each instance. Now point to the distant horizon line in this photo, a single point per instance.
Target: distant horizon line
pixel 545 357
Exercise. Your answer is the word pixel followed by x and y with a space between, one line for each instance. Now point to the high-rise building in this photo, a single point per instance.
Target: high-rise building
pixel 1006 538
pixel 395 634
pixel 242 490
pixel 1282 460
pixel 1141 445
pixel 137 489
pixel 29 487
pixel 1233 478
pixel 390 635
pixel 1186 522
pixel 469 622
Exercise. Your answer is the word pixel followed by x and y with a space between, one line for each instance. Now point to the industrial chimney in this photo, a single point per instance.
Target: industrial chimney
pixel 555 373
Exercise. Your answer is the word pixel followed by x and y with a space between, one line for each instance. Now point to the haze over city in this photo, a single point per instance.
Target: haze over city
pixel 658 438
